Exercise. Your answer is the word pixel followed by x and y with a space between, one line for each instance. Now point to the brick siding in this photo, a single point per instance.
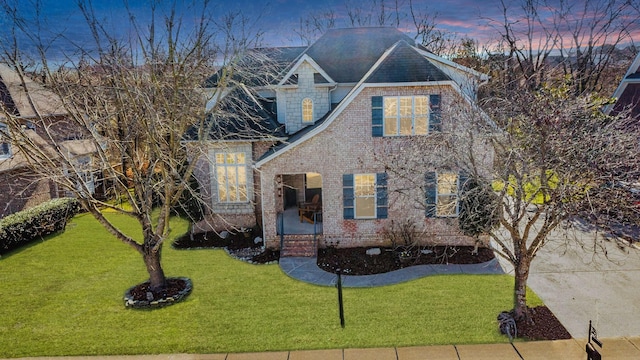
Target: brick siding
pixel 347 147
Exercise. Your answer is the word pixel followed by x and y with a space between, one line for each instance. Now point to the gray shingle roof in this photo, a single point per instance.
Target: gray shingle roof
pixel 254 122
pixel 279 59
pixel 347 54
pixel 405 64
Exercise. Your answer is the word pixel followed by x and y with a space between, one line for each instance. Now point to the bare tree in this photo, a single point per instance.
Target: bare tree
pixel 575 39
pixel 312 27
pixel 557 156
pixel 440 42
pixel 134 99
pixel 358 14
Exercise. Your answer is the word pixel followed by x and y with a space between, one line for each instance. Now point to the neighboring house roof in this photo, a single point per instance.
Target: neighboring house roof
pixel 627 94
pixel 44 100
pixel 252 122
pixel 15 98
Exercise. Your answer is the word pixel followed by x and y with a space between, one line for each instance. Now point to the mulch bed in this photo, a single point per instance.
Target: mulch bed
pixel 141 296
pixel 542 325
pixel 238 245
pixel 355 261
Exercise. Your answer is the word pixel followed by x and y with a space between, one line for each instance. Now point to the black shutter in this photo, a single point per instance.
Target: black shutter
pixel 377 116
pixel 382 199
pixel 431 193
pixel 348 196
pixel 435 113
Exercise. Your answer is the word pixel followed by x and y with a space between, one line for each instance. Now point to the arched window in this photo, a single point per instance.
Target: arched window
pixel 307 110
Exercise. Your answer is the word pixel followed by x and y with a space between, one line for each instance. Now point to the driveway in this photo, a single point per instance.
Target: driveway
pixel 582 282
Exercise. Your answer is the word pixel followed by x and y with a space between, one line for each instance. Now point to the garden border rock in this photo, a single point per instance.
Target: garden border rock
pixel 130 302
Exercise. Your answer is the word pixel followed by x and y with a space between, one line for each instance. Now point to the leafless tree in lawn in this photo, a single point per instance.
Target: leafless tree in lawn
pixel 557 157
pixel 133 97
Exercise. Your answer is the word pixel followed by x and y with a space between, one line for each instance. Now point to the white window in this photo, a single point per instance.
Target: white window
pixel 81 173
pixel 5 148
pixel 365 196
pixel 447 197
pixel 84 167
pixel 405 115
pixel 231 175
pixel 307 110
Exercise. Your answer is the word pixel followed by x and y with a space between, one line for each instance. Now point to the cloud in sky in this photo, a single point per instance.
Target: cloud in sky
pixel 281 18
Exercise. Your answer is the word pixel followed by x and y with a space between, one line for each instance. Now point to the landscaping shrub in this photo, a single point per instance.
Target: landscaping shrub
pixel 25 226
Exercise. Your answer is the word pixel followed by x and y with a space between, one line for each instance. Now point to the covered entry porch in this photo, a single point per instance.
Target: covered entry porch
pixel 299 203
pixel 299 215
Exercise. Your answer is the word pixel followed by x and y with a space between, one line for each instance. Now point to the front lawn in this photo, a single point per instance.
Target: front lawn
pixel 64 296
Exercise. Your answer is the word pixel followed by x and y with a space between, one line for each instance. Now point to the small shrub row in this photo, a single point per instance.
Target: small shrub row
pixel 25 226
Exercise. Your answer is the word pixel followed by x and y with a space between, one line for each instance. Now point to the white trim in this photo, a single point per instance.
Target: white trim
pixel 313 64
pixel 431 56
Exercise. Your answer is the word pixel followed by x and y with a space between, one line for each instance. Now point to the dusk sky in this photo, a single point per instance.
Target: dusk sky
pixel 280 18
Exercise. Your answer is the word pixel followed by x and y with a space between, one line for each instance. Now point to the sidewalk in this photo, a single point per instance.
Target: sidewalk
pixel 616 348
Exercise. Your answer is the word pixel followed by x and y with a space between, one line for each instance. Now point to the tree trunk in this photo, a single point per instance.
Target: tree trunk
pixel 157 280
pixel 520 288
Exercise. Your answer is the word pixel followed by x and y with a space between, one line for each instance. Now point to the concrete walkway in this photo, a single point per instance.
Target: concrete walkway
pixel 619 349
pixel 306 269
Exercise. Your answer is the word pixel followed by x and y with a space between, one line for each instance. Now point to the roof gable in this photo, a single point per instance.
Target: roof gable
pixel 322 77
pixel 404 64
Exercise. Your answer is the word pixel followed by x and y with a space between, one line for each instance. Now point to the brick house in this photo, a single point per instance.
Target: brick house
pixel 340 115
pixel 627 94
pixel 20 187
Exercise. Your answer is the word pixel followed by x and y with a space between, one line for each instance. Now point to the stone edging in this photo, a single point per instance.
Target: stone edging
pixel 129 302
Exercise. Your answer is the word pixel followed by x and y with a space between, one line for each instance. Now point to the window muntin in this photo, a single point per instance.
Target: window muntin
pixel 231 176
pixel 447 195
pixel 307 110
pixel 365 196
pixel 405 115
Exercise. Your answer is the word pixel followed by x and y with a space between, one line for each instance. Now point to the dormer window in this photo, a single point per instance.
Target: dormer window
pixel 307 110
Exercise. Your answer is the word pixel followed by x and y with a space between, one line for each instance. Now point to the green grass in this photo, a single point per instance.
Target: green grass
pixel 63 296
